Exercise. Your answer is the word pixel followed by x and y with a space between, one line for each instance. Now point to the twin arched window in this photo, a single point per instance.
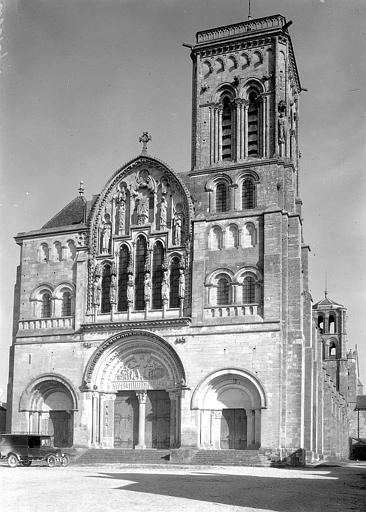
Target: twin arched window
pixel 247 191
pixel 247 292
pixel 48 304
pixel 236 125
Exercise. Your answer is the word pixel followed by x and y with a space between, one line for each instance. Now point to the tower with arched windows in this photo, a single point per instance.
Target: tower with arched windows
pixel 173 311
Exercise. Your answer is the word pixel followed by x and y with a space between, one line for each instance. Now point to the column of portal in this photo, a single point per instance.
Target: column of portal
pixel 220 132
pixel 95 429
pixel 141 397
pixel 257 428
pixel 250 428
pixel 173 416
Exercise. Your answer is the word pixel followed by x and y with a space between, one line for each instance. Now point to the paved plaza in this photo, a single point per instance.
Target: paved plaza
pixel 183 489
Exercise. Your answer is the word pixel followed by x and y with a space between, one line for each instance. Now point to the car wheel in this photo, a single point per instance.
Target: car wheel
pixel 12 460
pixel 26 463
pixel 65 460
pixel 51 461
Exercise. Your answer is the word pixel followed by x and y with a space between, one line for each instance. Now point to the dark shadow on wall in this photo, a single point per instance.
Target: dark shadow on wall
pixel 314 491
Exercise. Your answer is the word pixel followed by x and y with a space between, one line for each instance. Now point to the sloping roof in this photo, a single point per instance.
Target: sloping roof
pixel 73 213
pixel 327 302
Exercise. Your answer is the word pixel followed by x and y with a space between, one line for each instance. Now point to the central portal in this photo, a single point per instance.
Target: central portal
pixel 233 429
pixel 157 419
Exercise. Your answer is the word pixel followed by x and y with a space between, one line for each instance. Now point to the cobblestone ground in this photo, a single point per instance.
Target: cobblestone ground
pixel 178 488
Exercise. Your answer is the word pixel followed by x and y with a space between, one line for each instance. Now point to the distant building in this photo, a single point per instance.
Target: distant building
pixel 172 310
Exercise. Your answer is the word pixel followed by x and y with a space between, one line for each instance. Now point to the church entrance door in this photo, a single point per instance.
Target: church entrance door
pixel 126 409
pixel 60 426
pixel 233 429
pixel 157 427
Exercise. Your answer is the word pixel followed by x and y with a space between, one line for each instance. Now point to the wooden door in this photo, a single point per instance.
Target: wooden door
pixel 126 420
pixel 157 429
pixel 60 426
pixel 233 429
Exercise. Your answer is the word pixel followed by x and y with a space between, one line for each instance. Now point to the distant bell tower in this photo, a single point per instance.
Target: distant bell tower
pixel 245 94
pixel 330 318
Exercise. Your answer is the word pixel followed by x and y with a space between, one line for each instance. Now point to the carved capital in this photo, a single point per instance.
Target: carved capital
pixel 141 396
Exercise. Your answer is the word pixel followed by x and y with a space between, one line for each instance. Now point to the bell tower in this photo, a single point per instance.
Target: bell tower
pixel 245 95
pixel 330 318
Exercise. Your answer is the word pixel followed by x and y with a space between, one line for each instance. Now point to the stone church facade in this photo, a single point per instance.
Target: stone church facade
pixel 172 310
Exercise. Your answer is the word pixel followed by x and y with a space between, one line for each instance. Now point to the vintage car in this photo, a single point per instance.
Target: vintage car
pixel 25 448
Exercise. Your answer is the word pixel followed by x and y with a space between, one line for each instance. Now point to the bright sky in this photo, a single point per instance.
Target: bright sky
pixel 81 80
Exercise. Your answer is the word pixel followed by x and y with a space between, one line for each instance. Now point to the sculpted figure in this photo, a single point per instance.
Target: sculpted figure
pixel 130 290
pixel 106 235
pixel 177 229
pixel 163 213
pixel 113 289
pixel 97 291
pixel 165 289
pixel 182 284
pixel 142 211
pixel 120 202
pixel 147 287
pixel 281 129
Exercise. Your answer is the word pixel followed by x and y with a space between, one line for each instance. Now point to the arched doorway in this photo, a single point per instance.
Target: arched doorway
pixel 230 403
pixel 136 378
pixel 50 402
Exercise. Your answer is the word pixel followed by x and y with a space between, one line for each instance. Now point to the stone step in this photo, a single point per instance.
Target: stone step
pixel 118 456
pixel 155 456
pixel 230 458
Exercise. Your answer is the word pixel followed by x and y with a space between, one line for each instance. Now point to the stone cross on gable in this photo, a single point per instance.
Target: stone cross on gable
pixel 145 138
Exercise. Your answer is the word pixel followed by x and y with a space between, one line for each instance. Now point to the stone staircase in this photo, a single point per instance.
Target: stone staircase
pixel 118 456
pixel 195 457
pixel 230 458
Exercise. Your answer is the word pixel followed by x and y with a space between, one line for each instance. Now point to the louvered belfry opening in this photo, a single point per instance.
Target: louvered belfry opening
pixel 253 128
pixel 227 129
